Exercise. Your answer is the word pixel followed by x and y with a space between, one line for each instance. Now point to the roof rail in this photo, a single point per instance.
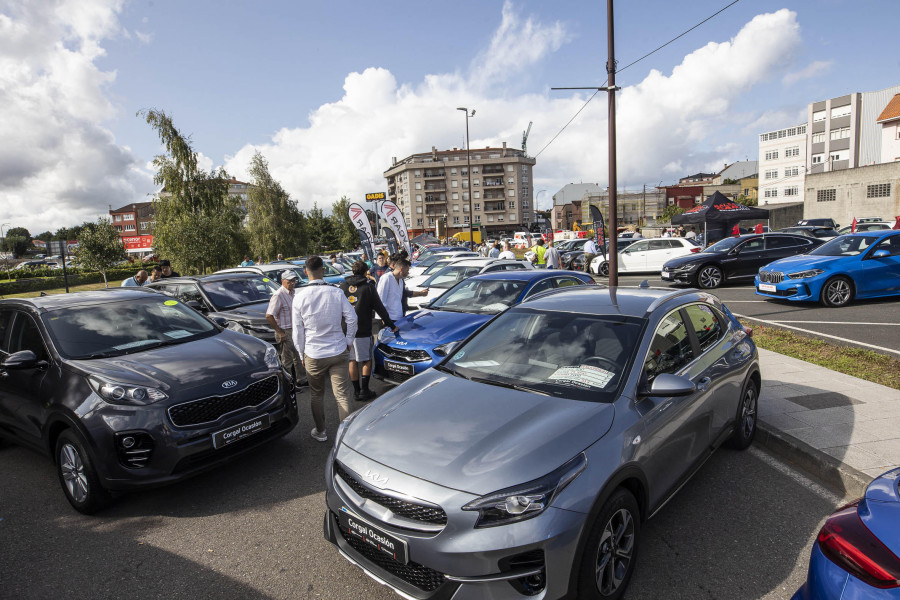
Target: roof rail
pixel 659 301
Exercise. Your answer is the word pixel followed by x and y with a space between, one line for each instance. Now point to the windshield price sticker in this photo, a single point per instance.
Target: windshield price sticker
pixel 266 279
pixel 170 302
pixel 478 363
pixel 585 376
pixel 178 333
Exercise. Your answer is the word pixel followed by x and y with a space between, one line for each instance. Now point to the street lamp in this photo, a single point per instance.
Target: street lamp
pixel 469 172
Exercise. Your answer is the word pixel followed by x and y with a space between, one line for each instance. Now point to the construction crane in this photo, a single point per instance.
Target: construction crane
pixel 525 137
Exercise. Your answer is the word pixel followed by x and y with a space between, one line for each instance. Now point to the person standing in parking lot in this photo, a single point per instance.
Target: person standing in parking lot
pixel 380 268
pixel 278 314
pixel 392 290
pixel 551 256
pixel 540 252
pixel 317 314
pixel 590 251
pixel 336 264
pixel 507 254
pixel 136 280
pixel 165 269
pixel 247 262
pixel 495 251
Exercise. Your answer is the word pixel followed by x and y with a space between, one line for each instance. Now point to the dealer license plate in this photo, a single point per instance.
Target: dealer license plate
pixel 390 546
pixel 398 367
pixel 767 287
pixel 241 431
pixel 665 275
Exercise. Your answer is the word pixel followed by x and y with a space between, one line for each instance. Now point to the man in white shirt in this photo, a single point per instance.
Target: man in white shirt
pixel 691 235
pixel 278 314
pixel 320 339
pixel 590 251
pixel 336 264
pixel 392 290
pixel 507 254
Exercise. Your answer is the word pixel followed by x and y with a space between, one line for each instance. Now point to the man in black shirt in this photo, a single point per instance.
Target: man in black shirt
pixel 362 296
pixel 165 268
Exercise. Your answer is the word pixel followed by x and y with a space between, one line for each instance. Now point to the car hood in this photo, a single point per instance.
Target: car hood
pixel 692 258
pixel 472 436
pixel 803 261
pixel 433 327
pixel 225 355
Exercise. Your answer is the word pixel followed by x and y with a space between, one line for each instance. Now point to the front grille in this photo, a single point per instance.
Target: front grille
pixel 401 508
pixel 420 576
pixel 208 410
pixel 207 457
pixel 771 276
pixel 398 377
pixel 404 355
pixel 783 293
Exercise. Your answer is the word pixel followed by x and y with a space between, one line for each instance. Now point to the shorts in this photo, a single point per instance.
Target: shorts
pixel 362 349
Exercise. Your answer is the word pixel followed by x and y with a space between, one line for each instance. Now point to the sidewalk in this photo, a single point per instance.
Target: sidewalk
pixel 841 429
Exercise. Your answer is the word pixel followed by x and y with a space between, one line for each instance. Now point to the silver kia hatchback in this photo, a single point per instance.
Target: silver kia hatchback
pixel 525 464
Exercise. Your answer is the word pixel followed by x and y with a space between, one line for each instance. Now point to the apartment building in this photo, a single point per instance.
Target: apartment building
pixel 433 187
pixel 632 208
pixel 782 165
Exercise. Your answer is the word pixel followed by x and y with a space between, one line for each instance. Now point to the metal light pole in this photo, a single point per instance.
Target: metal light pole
pixel 613 199
pixel 469 171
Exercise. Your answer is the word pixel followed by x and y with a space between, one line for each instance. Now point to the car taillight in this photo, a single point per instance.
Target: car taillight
pixel 849 544
pixel 695 250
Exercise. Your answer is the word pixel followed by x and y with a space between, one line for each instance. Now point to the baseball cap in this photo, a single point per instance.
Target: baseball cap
pixel 288 274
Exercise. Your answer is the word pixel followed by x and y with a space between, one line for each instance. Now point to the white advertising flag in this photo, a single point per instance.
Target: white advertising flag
pixel 394 217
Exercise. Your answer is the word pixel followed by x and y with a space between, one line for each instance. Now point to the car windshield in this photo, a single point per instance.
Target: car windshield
pixel 724 245
pixel 430 260
pixel 449 276
pixel 437 266
pixel 329 270
pixel 845 245
pixel 485 296
pixel 582 357
pixel 124 327
pixel 231 293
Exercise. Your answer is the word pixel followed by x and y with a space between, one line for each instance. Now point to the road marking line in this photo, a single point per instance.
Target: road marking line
pixel 840 323
pixel 745 301
pixel 804 481
pixel 834 337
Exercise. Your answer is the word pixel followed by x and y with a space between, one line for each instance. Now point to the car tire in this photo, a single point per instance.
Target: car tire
pixel 746 419
pixel 709 277
pixel 603 269
pixel 611 549
pixel 77 475
pixel 837 292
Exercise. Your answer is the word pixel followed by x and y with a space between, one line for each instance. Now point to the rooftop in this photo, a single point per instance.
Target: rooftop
pixel 891 112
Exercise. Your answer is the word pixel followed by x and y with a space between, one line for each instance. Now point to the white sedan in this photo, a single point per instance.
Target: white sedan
pixel 452 274
pixel 646 256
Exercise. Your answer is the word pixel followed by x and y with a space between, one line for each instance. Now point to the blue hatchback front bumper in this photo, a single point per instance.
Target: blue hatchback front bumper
pixel 791 289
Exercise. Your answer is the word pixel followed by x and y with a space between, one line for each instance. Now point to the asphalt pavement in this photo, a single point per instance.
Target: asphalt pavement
pixel 741 529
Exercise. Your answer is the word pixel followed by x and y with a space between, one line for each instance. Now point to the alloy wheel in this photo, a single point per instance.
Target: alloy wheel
pixel 604 269
pixel 710 277
pixel 72 467
pixel 748 412
pixel 615 552
pixel 838 292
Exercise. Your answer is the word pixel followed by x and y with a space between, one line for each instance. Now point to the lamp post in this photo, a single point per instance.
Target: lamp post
pixel 469 172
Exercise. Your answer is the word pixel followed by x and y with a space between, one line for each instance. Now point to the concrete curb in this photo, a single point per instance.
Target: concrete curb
pixel 823 467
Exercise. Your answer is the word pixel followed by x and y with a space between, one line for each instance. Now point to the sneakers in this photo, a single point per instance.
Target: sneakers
pixel 319 436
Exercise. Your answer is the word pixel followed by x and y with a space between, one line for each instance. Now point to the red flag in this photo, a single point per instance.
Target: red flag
pixel 736 231
pixel 853 226
pixel 897 224
pixel 758 228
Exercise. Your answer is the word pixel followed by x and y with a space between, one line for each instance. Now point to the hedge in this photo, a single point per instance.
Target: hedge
pixel 37 284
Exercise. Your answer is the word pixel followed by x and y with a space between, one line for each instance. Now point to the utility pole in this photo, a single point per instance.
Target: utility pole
pixel 469 172
pixel 610 90
pixel 643 205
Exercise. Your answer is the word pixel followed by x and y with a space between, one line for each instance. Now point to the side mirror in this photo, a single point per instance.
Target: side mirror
pixel 666 384
pixel 24 359
pixel 196 305
pixel 881 254
pixel 220 321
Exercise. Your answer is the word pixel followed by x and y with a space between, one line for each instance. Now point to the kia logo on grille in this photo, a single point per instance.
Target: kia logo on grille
pixel 229 384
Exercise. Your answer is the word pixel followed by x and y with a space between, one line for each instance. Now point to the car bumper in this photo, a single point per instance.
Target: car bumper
pixel 397 371
pixel 674 276
pixel 176 453
pixel 789 289
pixel 460 562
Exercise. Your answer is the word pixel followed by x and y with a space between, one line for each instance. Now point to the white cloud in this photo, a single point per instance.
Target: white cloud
pixel 145 38
pixel 663 122
pixel 808 72
pixel 58 164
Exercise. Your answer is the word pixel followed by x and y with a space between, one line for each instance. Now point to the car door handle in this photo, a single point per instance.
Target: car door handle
pixel 703 384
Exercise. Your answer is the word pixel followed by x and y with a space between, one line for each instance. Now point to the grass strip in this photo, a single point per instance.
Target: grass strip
pixel 858 362
pixel 62 290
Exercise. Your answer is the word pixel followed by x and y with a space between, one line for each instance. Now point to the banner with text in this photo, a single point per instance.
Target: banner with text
pixel 361 221
pixel 394 217
pixel 597 217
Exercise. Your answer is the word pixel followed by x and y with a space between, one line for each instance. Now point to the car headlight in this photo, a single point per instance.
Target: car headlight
pixel 805 274
pixel 271 358
pixel 445 349
pixel 385 334
pixel 528 500
pixel 235 326
pixel 125 393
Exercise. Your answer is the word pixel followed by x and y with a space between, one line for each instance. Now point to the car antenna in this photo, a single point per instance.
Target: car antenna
pixel 644 285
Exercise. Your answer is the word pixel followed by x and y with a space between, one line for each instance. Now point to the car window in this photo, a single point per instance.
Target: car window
pixel 231 293
pixel 670 349
pixel 25 335
pixel 707 325
pixel 541 286
pixel 513 267
pixel 754 245
pixel 891 244
pixel 568 281
pixel 659 245
pixel 845 245
pixel 774 242
pixel 5 318
pixel 189 292
pixel 637 246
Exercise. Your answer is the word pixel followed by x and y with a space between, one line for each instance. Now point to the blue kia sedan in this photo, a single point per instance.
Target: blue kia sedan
pixel 856 553
pixel 855 266
pixel 426 336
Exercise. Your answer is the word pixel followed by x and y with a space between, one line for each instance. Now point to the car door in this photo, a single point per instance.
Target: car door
pixel 746 259
pixel 24 392
pixel 881 275
pixel 658 253
pixel 675 430
pixel 634 257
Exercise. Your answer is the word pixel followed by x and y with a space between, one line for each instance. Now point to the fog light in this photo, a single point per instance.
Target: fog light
pixel 128 442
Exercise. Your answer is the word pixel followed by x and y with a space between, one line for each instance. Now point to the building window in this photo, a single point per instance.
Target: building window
pixel 512 193
pixel 839 155
pixel 418 185
pixel 129 228
pixel 117 218
pixel 456 208
pixel 511 168
pixel 418 221
pixel 793 151
pixel 476 182
pixel 477 206
pixel 791 191
pixel 817 159
pixel 524 178
pixel 490 218
pixel 465 195
pixel 465 184
pixel 791 171
pixel 524 203
pixel 476 195
pixel 510 181
pixel 839 134
pixel 465 218
pixel 500 218
pixel 840 111
pixel 453 171
pixel 145 225
pixel 512 217
pixel 819 115
pixel 772 155
pixel 465 208
pixel 771 193
pixel 512 204
pixel 417 173
pixel 454 196
pixel 456 220
pixel 773 174
pixel 128 217
pixel 419 210
pixel 431 220
pixel 475 169
pixel 454 183
pixel 826 195
pixel 418 197
pixel 818 137
pixel 878 190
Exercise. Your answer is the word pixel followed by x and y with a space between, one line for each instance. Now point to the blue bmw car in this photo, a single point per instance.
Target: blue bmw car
pixel 856 553
pixel 853 266
pixel 426 336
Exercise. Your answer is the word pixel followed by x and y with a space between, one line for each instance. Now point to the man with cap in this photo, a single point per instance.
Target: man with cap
pixel 165 268
pixel 278 314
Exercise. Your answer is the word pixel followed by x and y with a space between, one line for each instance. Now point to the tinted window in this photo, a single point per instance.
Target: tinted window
pixel 25 335
pixel 723 245
pixel 230 293
pixel 670 349
pixel 891 244
pixel 707 325
pixel 659 245
pixel 754 245
pixel 5 318
pixel 568 281
pixel 776 242
pixel 115 328
pixel 485 296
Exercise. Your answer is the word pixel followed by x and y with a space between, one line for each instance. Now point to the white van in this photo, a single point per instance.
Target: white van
pixel 524 239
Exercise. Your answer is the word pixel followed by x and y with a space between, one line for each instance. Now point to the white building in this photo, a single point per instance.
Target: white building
pixel 782 165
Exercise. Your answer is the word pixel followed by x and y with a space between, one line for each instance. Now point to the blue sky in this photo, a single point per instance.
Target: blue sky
pixel 329 92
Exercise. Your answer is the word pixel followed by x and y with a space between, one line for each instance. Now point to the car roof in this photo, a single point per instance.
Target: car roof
pixel 627 301
pixel 525 274
pixel 55 301
pixel 267 268
pixel 220 276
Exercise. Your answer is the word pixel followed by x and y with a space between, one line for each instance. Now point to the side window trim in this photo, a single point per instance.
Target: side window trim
pixel 695 341
pixel 22 314
pixel 690 336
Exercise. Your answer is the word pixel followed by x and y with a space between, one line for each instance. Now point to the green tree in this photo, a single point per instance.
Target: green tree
pixel 100 247
pixel 44 237
pixel 669 212
pixel 274 223
pixel 17 240
pixel 746 201
pixel 198 225
pixel 319 232
pixel 344 230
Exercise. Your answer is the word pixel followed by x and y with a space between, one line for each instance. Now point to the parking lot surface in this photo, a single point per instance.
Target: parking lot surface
pixel 740 529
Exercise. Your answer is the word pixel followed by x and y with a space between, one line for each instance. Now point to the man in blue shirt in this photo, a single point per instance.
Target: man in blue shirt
pixel 137 280
pixel 247 262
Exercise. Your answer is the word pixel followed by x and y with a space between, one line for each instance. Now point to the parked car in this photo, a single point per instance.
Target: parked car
pixel 433 257
pixel 239 298
pixel 824 233
pixel 332 275
pixel 827 223
pixel 865 226
pixel 415 281
pixel 33 265
pixel 853 266
pixel 426 336
pixel 126 389
pixel 856 552
pixel 734 259
pixel 450 275
pixel 643 256
pixel 543 444
pixel 424 255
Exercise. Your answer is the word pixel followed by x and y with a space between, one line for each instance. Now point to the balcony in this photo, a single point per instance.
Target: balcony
pixel 435 197
pixel 493 195
pixel 492 169
pixel 431 173
pixel 498 182
pixel 494 207
pixel 436 187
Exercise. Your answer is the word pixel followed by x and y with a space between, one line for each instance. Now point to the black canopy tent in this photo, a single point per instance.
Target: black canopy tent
pixel 718 215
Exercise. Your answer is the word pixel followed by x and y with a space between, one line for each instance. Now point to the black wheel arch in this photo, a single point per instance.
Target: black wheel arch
pixel 59 422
